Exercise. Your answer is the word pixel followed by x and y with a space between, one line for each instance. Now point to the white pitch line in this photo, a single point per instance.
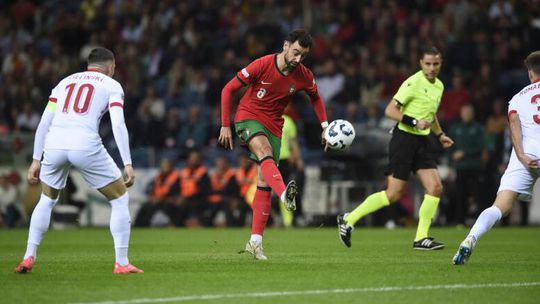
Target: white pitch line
pixel 314 292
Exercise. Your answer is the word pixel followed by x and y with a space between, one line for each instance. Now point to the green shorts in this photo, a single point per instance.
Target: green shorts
pixel 247 129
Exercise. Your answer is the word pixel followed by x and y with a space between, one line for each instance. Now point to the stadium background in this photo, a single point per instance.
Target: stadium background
pixel 173 58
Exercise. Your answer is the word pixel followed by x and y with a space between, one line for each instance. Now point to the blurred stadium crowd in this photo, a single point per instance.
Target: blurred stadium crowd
pixel 174 57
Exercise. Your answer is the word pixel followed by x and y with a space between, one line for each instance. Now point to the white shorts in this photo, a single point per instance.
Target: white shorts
pixel 97 167
pixel 518 178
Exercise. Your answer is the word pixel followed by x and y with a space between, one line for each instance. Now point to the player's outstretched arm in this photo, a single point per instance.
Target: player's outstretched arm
pixel 318 106
pixel 225 134
pixel 517 142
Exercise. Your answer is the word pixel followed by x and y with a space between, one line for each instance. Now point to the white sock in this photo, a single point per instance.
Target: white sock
pixel 39 224
pixel 485 221
pixel 256 238
pixel 282 196
pixel 120 228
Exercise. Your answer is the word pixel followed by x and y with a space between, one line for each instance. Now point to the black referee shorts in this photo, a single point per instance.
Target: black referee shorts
pixel 409 153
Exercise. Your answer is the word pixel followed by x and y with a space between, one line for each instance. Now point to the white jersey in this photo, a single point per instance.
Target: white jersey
pixel 526 104
pixel 82 99
pixel 517 177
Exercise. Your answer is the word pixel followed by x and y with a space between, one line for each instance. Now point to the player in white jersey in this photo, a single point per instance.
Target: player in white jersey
pixel 524 167
pixel 67 136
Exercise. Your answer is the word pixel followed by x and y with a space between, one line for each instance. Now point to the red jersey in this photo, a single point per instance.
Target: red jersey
pixel 270 91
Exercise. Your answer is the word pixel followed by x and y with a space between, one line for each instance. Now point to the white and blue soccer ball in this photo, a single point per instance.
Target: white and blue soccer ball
pixel 339 134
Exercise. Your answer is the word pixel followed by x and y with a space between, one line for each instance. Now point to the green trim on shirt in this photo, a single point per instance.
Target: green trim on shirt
pixel 277 66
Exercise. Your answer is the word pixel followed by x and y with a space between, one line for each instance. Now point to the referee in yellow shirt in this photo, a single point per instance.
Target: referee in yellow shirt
pixel 413 107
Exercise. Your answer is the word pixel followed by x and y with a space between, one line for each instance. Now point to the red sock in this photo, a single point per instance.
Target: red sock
pixel 261 210
pixel 272 176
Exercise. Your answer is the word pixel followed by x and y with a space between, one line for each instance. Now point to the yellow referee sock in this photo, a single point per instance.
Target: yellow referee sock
pixel 286 215
pixel 425 215
pixel 371 204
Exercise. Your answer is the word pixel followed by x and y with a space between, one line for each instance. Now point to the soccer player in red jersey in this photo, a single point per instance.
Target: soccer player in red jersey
pixel 272 80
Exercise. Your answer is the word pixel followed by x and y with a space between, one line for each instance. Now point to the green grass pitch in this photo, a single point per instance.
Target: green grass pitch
pixel 304 266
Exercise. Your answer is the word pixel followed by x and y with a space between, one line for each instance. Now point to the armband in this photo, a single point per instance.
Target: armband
pixel 409 120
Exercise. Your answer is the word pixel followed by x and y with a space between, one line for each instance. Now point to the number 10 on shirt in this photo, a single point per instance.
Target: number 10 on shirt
pixel 85 88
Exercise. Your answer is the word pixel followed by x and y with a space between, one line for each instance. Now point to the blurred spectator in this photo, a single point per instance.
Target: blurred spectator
pixel 483 91
pixel 224 200
pixel 497 142
pixel 194 190
pixel 6 111
pixel 246 177
pixel 132 32
pixel 28 119
pixel 371 88
pixel 9 195
pixel 151 114
pixel 453 100
pixel 331 82
pixel 466 154
pixel 171 127
pixel 501 9
pixel 164 195
pixel 17 62
pixel 193 132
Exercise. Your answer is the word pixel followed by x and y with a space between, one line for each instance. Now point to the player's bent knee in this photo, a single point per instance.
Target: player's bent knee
pixel 265 152
pixel 50 192
pixel 114 190
pixel 435 190
pixel 394 196
pixel 262 184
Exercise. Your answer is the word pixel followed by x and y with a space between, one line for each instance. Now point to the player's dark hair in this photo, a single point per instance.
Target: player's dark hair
pixel 429 50
pixel 532 62
pixel 302 36
pixel 100 55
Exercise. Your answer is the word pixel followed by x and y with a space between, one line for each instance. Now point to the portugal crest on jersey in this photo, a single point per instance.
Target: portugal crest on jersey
pixel 292 89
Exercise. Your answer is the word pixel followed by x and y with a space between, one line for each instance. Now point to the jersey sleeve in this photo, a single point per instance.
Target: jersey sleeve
pixel 250 74
pixel 315 97
pixel 512 107
pixel 311 86
pixel 120 133
pixel 53 97
pixel 405 92
pixel 116 95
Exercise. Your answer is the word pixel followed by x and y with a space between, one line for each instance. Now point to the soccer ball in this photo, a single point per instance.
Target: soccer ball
pixel 339 134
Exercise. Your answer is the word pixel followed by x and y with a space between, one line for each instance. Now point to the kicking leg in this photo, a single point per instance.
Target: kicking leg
pixel 261 147
pixel 502 206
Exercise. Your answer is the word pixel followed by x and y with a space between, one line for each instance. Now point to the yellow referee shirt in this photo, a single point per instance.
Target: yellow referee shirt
pixel 419 99
pixel 289 132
